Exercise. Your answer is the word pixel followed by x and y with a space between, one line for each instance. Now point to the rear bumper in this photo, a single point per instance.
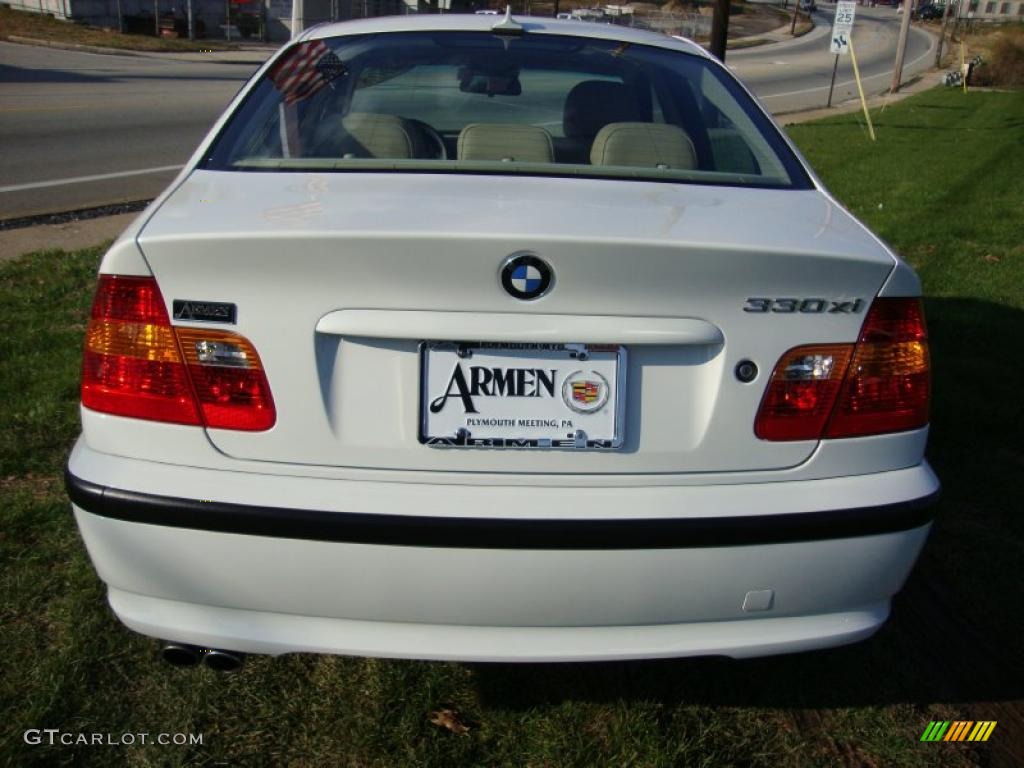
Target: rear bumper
pixel 564 583
pixel 276 633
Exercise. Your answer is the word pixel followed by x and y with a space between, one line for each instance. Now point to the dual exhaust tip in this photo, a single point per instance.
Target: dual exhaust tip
pixel 183 655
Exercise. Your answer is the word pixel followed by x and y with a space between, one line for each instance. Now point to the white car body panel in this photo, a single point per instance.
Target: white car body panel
pixel 338 277
pixel 390 244
pixel 518 604
pixel 116 436
pixel 502 497
pixel 207 626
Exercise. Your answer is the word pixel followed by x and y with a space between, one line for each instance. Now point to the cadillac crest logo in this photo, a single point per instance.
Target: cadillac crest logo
pixel 526 276
pixel 585 391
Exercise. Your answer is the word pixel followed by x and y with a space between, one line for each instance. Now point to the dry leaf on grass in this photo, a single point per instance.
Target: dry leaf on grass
pixel 449 719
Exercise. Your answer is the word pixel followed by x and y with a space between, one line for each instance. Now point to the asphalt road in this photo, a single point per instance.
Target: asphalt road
pixel 81 129
pixel 69 114
pixel 794 75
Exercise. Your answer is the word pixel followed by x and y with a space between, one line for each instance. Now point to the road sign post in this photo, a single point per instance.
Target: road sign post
pixel 831 85
pixel 842 29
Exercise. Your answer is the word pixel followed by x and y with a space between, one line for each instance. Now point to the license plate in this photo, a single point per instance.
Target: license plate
pixel 479 395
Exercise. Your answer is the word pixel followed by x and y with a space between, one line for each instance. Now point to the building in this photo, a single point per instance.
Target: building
pixel 249 19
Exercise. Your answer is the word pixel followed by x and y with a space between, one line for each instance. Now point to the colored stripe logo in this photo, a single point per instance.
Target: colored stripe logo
pixel 958 730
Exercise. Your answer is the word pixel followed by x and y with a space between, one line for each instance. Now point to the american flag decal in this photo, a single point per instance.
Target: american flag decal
pixel 304 70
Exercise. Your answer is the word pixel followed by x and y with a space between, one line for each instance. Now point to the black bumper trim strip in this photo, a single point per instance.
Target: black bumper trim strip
pixel 485 533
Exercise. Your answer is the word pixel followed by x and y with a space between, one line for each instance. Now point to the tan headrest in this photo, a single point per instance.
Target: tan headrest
pixel 643 145
pixel 505 141
pixel 372 135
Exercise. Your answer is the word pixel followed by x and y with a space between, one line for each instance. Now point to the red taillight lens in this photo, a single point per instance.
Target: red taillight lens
pixel 888 386
pixel 880 385
pixel 802 392
pixel 133 364
pixel 228 377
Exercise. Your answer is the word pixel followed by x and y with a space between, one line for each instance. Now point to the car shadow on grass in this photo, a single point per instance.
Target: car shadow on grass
pixel 914 659
pixel 952 637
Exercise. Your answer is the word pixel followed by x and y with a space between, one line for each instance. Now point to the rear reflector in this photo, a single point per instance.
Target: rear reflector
pixel 136 364
pixel 881 384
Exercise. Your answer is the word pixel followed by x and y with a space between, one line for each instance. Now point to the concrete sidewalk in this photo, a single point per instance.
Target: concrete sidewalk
pixel 246 53
pixel 69 236
pixel 922 82
pixel 780 34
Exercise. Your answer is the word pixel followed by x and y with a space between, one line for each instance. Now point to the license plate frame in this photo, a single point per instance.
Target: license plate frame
pixel 581 374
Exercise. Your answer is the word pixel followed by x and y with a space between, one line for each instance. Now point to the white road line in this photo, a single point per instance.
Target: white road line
pixel 929 52
pixel 80 179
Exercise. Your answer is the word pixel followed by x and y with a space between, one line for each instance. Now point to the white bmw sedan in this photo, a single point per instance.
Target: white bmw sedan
pixel 463 337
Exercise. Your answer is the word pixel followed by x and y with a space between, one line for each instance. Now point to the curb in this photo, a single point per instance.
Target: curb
pixel 778 35
pixel 923 81
pixel 165 55
pixel 69 46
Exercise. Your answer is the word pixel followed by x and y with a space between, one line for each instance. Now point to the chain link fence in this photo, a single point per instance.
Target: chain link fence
pixel 690 25
pixel 255 20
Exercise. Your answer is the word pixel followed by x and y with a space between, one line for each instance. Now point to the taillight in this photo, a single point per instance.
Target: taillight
pixel 888 386
pixel 134 364
pixel 228 377
pixel 802 392
pixel 881 384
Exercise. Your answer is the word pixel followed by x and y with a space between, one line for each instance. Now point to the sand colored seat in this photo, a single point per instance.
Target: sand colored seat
pixel 371 135
pixel 644 145
pixel 506 142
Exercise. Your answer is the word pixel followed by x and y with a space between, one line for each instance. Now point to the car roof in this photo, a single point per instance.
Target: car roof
pixel 472 22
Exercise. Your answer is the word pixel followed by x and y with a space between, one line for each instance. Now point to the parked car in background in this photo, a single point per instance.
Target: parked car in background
pixel 460 338
pixel 931 11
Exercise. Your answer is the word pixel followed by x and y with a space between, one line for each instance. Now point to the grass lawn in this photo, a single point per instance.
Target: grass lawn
pixel 943 185
pixel 40 27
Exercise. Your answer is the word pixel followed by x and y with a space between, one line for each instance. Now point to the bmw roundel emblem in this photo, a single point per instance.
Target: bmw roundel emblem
pixel 526 276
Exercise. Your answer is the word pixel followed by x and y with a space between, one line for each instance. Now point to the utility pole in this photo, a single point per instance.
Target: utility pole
pixel 942 33
pixel 719 29
pixel 796 10
pixel 901 46
pixel 191 25
pixel 297 13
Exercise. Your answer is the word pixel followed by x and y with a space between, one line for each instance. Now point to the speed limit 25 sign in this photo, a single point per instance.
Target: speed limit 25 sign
pixel 842 26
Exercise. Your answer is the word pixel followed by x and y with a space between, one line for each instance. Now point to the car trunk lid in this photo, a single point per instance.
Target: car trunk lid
pixel 339 278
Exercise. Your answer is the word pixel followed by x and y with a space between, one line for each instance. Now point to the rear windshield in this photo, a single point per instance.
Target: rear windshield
pixel 474 102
